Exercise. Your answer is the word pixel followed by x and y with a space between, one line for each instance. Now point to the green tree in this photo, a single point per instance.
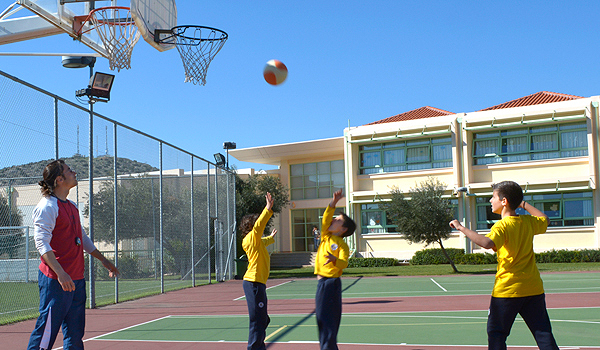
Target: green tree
pixel 250 197
pixel 425 216
pixel 10 239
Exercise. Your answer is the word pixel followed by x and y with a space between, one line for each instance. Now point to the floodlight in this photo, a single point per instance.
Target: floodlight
pixel 220 159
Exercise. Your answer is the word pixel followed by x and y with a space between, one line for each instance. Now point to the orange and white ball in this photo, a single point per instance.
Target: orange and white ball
pixel 275 72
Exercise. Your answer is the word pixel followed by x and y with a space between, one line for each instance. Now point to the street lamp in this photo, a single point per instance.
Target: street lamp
pixel 227 146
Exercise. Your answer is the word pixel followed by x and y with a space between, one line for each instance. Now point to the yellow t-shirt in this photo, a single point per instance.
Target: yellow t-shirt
pixel 255 246
pixel 331 244
pixel 517 274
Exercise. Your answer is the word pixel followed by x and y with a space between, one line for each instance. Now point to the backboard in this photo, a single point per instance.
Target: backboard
pixel 50 17
pixel 152 15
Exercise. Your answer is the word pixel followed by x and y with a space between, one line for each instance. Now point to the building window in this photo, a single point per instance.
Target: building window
pixel 316 180
pixel 303 222
pixel 375 220
pixel 563 209
pixel 531 143
pixel 406 155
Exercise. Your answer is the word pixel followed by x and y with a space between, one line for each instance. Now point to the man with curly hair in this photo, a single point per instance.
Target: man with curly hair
pixel 255 245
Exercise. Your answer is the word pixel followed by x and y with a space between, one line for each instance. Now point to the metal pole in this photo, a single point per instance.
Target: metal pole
pixel 116 212
pixel 27 254
pixel 153 227
pixel 217 238
pixel 208 220
pixel 229 229
pixel 160 199
pixel 91 203
pixel 192 220
pixel 56 128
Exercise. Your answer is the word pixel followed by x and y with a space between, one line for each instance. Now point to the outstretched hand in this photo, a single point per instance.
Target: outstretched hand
pixel 273 233
pixel 336 197
pixel 270 201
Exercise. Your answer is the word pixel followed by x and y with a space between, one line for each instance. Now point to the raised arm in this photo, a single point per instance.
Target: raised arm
pixel 533 210
pixel 478 239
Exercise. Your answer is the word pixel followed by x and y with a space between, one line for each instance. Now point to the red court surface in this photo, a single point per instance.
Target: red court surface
pixel 218 299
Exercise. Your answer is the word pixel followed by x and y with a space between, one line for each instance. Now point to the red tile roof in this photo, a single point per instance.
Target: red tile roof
pixel 535 99
pixel 423 112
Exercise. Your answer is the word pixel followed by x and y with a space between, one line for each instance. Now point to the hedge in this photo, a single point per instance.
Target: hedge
pixel 435 257
pixel 372 262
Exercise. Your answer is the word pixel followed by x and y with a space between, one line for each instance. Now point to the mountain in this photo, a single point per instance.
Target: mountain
pixel 103 166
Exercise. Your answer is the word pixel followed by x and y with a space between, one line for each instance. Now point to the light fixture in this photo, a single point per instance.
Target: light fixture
pixel 220 159
pixel 227 146
pixel 99 87
pixel 78 61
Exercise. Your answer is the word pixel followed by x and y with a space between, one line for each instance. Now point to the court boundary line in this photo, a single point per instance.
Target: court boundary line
pixel 439 285
pixel 277 285
pixel 377 314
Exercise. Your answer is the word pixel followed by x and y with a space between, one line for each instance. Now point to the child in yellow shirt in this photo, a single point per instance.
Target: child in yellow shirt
pixel 332 259
pixel 518 288
pixel 255 278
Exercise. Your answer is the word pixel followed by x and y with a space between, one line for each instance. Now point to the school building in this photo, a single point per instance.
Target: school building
pixel 547 142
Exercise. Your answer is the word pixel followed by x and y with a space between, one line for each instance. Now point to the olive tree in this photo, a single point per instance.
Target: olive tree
pixel 423 215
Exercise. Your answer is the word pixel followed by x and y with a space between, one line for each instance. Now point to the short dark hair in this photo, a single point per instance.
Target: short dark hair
pixel 349 224
pixel 247 223
pixel 52 171
pixel 511 191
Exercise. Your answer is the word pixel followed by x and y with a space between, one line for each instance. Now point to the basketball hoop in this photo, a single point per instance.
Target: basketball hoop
pixel 118 34
pixel 196 51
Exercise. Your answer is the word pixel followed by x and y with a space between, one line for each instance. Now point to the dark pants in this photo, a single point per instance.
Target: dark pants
pixel 59 308
pixel 328 311
pixel 256 298
pixel 533 311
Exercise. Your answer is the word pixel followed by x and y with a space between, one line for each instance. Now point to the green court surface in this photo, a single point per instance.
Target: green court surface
pixel 573 327
pixel 431 286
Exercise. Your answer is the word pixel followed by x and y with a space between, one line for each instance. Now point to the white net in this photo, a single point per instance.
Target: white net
pixel 197 51
pixel 117 32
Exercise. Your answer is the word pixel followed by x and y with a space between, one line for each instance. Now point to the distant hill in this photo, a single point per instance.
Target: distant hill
pixel 103 166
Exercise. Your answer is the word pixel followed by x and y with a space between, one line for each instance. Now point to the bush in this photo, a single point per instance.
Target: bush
pixel 372 262
pixel 568 256
pixel 478 259
pixel 435 256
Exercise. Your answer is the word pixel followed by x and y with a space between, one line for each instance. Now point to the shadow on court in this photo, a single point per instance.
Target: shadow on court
pixel 303 320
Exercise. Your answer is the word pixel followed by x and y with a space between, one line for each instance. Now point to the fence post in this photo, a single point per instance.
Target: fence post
pixel 116 213
pixel 160 205
pixel 56 129
pixel 208 220
pixel 192 220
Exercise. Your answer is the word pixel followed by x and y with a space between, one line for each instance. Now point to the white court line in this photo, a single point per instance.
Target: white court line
pixel 280 284
pixel 432 280
pixel 102 335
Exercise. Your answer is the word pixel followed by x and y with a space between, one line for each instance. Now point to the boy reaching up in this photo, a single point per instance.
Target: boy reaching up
pixel 332 259
pixel 518 288
pixel 255 245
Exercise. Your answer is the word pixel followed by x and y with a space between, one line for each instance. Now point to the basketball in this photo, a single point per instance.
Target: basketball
pixel 275 72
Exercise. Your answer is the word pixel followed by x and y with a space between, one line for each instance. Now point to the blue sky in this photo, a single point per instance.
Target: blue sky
pixel 350 62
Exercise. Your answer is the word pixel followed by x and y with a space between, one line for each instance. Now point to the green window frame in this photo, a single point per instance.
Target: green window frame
pixel 316 180
pixel 530 143
pixel 415 154
pixel 563 209
pixel 303 221
pixel 374 220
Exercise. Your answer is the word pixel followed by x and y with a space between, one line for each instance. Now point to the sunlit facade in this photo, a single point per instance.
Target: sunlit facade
pixel 546 142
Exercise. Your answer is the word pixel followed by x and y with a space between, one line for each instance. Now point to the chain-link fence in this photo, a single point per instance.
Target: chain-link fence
pixel 164 216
